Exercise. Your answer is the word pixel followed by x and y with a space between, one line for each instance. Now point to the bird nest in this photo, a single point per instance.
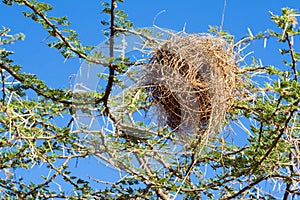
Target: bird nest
pixel 191 79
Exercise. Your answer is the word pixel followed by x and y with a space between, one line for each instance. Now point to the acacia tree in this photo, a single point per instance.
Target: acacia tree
pixel 205 167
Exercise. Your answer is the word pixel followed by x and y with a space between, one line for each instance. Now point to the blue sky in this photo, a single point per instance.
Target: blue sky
pixel 34 55
pixel 85 16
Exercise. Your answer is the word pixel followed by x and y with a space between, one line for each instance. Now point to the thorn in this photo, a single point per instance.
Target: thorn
pixel 250 33
pixel 265 42
pixel 184 26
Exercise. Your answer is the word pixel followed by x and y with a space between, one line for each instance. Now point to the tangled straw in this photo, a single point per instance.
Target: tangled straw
pixel 191 78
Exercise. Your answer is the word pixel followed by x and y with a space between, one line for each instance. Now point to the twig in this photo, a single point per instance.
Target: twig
pixel 111 55
pixel 274 143
pixel 3 87
pixel 246 188
pixel 62 38
pixel 32 86
pixel 289 184
pixel 253 69
pixel 260 135
pixel 4 32
pixel 137 33
pixel 293 57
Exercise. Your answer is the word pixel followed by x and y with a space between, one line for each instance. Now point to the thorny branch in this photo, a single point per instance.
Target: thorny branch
pixel 111 65
pixel 3 86
pixel 294 62
pixel 247 187
pixel 112 68
pixel 32 86
pixel 148 38
pixel 111 77
pixel 62 38
pixel 274 143
pixel 288 185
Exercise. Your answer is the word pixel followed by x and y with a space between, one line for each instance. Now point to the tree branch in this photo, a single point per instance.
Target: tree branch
pixel 274 143
pixel 137 33
pixel 32 86
pixel 62 38
pixel 3 87
pixel 112 68
pixel 247 187
pixel 289 184
pixel 293 57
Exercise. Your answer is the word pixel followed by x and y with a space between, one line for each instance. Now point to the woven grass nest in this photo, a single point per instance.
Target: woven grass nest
pixel 191 79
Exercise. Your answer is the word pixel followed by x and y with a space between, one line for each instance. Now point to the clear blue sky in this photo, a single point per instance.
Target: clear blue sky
pixel 34 55
pixel 85 16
